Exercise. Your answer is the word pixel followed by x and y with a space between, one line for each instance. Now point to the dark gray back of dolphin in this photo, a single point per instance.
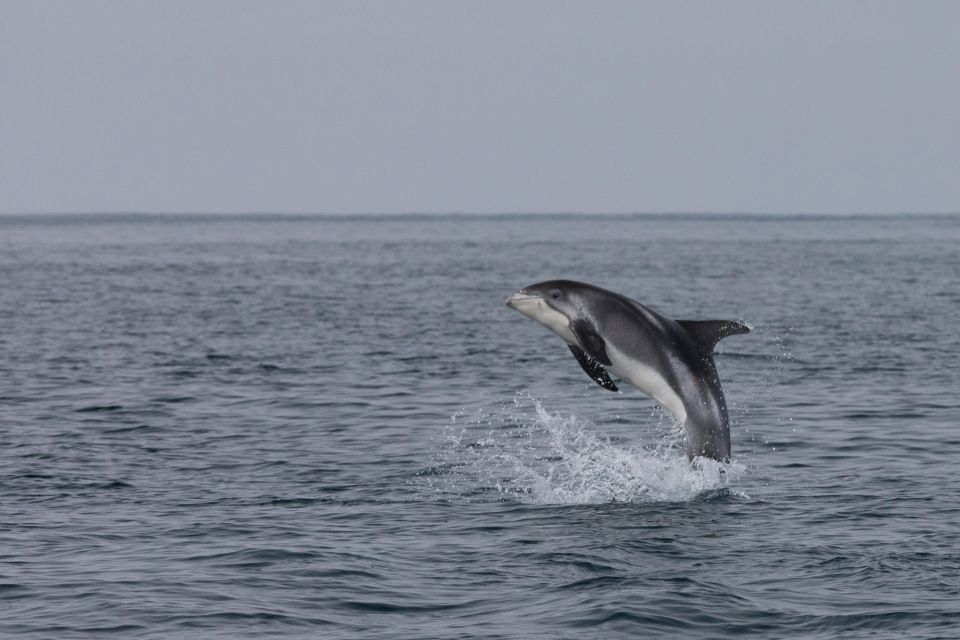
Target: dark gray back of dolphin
pixel 670 360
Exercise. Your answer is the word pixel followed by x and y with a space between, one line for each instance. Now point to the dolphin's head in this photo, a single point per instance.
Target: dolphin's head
pixel 554 304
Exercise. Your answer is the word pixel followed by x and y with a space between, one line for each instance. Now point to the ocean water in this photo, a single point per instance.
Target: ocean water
pixel 322 427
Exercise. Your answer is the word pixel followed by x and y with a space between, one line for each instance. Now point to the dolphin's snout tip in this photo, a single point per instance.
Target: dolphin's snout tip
pixel 515 298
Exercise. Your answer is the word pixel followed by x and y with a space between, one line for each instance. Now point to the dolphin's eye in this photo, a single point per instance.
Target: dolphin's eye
pixel 555 294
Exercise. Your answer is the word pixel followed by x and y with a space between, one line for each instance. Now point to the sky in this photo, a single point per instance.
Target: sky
pixel 492 106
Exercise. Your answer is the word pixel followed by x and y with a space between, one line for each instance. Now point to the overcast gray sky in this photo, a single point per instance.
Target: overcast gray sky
pixel 479 106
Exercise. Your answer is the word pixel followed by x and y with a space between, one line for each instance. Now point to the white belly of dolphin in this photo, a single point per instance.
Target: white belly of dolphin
pixel 647 380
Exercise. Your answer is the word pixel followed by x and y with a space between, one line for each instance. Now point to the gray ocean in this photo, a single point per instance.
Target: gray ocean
pixel 274 426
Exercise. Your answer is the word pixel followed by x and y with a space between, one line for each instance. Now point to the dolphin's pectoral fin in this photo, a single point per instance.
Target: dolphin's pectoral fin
pixel 593 368
pixel 707 333
pixel 590 341
pixel 593 355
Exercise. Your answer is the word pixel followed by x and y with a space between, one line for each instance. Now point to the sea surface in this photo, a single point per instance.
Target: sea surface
pixel 274 426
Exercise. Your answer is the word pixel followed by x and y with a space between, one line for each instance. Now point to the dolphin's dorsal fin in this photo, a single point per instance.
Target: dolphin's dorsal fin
pixel 707 333
pixel 593 368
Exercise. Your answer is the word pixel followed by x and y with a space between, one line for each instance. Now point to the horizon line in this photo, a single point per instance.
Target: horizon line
pixel 465 213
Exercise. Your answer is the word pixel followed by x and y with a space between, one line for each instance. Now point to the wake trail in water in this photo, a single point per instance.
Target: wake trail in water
pixel 522 451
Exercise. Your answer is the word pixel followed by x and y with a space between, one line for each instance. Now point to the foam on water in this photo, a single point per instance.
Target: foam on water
pixel 523 451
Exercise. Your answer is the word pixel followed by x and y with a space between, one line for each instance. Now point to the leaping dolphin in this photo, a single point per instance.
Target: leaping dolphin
pixel 669 360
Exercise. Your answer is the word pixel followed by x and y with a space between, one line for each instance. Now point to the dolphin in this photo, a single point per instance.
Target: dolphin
pixel 669 360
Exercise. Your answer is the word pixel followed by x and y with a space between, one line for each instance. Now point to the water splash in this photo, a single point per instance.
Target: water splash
pixel 522 451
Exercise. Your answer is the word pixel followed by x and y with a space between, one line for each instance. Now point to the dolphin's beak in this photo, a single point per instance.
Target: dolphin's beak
pixel 519 298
